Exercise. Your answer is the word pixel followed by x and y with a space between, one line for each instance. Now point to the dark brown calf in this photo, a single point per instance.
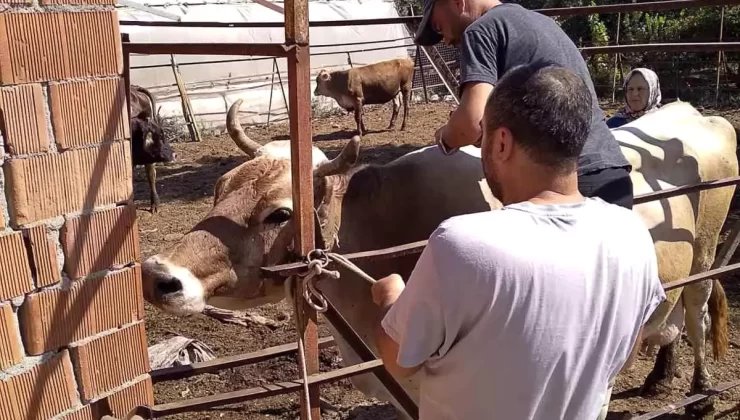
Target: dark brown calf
pixel 148 143
pixel 373 84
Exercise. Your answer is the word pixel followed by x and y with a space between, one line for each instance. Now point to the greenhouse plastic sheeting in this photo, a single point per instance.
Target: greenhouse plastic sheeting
pixel 212 88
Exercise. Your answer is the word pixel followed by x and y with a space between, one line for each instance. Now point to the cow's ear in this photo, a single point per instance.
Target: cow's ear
pixel 324 76
pixel 219 189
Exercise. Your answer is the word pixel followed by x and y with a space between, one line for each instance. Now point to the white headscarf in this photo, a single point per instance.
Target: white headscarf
pixel 654 95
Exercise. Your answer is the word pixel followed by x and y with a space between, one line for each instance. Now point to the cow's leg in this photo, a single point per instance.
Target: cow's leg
pixel 394 115
pixel 358 117
pixel 667 338
pixel 151 174
pixel 406 95
pixel 695 297
pixel 660 378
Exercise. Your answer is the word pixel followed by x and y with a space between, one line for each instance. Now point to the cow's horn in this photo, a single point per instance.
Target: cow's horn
pixel 340 164
pixel 237 133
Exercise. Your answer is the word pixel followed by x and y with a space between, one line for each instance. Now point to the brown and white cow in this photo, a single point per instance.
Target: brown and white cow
pixel 374 84
pixel 369 207
pixel 148 142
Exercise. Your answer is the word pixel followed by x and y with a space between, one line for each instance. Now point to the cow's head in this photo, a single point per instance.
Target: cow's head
pixel 250 225
pixel 149 142
pixel 322 83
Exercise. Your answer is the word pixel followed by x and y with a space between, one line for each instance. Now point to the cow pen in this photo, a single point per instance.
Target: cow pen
pixel 296 50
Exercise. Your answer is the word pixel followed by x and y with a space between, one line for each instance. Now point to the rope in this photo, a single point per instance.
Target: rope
pixel 318 260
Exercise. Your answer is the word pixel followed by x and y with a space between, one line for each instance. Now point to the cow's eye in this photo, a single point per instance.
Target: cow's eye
pixel 280 215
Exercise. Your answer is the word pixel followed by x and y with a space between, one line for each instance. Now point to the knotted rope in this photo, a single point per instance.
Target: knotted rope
pixel 318 260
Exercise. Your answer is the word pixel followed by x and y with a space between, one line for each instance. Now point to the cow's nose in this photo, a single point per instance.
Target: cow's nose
pixel 168 285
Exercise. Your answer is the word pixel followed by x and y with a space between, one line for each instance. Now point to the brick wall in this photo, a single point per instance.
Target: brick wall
pixel 72 339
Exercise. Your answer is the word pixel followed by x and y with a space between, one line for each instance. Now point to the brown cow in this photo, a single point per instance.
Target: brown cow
pixel 374 84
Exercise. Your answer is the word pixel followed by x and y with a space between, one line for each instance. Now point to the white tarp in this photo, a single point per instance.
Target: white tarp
pixel 212 88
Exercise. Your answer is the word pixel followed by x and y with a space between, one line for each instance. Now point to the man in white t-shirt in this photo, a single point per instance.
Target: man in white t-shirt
pixel 530 311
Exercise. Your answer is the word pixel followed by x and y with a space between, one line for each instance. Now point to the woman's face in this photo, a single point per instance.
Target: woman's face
pixel 637 93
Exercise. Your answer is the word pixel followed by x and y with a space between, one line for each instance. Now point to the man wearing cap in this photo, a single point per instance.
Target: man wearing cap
pixel 492 38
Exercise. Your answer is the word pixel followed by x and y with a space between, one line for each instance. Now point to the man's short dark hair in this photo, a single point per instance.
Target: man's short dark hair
pixel 547 108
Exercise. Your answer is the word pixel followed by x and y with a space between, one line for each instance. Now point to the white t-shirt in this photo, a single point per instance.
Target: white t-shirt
pixel 527 312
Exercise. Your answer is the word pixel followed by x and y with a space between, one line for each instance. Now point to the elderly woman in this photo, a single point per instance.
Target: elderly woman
pixel 641 95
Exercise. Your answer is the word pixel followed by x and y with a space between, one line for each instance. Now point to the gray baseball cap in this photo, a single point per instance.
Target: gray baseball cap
pixel 426 35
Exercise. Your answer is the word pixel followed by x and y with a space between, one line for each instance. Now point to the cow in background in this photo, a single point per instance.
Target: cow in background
pixel 374 84
pixel 148 143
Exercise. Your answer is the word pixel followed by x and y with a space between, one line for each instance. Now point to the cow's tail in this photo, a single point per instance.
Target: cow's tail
pixel 149 95
pixel 718 312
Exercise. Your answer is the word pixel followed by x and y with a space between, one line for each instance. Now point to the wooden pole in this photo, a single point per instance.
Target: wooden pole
pixel 299 93
pixel 187 110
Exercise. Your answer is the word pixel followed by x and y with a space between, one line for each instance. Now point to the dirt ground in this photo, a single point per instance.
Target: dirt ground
pixel 186 189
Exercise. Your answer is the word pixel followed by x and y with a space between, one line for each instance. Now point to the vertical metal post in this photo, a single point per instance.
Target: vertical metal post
pixel 299 93
pixel 616 61
pixel 719 56
pixel 349 60
pixel 423 76
pixel 272 87
pixel 282 87
pixel 125 39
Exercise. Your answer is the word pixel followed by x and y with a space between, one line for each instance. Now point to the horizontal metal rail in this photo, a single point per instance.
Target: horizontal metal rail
pixel 664 47
pixel 286 270
pixel 686 189
pixel 228 362
pixel 689 400
pixel 711 274
pixel 563 11
pixel 264 391
pixel 156 48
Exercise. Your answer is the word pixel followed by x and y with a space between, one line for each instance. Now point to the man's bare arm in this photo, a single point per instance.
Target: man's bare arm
pixel 464 127
pixel 634 352
pixel 389 353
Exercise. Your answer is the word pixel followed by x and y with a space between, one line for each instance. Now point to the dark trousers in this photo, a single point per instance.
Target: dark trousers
pixel 612 185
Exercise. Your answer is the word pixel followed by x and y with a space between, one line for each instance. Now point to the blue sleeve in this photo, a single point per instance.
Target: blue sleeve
pixel 615 122
pixel 478 58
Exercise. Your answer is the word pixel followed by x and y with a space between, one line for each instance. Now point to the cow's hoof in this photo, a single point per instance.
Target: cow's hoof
pixel 703 410
pixel 654 386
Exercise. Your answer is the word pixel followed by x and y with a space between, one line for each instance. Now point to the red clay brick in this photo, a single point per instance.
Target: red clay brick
pixel 44 256
pixel 53 318
pixel 45 186
pixel 118 404
pixel 37 47
pixel 11 350
pixel 123 401
pixel 84 413
pixel 43 392
pixel 15 273
pixel 88 112
pixel 24 124
pixel 107 362
pixel 100 240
